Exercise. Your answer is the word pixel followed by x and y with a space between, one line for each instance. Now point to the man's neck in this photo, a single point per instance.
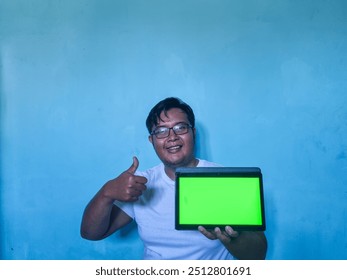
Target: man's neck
pixel 171 171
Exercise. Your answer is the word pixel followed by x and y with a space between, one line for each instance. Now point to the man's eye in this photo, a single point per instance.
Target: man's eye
pixel 160 130
pixel 180 127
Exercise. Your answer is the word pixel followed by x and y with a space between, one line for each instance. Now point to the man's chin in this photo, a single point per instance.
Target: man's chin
pixel 176 163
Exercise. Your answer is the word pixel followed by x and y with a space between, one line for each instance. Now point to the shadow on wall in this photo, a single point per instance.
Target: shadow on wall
pixel 2 104
pixel 271 219
pixel 202 146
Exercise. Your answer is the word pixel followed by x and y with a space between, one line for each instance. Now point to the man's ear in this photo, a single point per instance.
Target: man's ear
pixel 150 138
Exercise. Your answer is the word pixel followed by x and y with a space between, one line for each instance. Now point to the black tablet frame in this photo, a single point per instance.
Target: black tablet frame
pixel 239 172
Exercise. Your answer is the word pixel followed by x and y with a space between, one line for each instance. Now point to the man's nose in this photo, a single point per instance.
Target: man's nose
pixel 172 134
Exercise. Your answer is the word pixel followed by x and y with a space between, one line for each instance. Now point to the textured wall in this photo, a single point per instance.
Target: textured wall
pixel 267 81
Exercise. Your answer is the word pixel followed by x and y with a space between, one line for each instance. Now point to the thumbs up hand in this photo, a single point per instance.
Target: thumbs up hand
pixel 127 187
pixel 132 169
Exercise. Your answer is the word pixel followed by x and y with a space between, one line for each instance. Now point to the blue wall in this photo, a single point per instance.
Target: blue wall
pixel 267 81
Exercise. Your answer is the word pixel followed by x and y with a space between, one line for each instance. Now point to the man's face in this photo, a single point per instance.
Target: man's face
pixel 175 150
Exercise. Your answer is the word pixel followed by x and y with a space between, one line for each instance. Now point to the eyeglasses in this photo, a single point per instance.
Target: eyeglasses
pixel 163 132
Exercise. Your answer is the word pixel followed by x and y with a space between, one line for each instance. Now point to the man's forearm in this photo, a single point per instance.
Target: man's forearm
pixel 249 245
pixel 96 218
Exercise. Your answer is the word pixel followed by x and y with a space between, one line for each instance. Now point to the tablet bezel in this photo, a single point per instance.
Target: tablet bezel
pixel 239 172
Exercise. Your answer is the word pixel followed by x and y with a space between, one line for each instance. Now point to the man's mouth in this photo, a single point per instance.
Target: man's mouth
pixel 174 149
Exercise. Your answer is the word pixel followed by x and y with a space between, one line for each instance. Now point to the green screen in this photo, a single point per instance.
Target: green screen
pixel 220 200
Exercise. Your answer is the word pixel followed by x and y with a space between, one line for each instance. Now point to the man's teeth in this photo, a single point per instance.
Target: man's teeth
pixel 174 147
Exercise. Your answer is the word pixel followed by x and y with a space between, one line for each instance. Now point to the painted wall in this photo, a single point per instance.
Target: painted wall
pixel 267 81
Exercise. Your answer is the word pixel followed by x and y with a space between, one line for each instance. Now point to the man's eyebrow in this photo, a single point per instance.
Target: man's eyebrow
pixel 180 122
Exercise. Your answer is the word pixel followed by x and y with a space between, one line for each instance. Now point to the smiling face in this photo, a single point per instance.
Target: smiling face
pixel 175 150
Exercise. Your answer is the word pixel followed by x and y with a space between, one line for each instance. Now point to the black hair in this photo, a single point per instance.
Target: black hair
pixel 164 106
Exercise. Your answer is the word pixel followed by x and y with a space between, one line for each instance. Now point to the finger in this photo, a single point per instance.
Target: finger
pixel 208 234
pixel 140 179
pixel 132 199
pixel 218 233
pixel 138 187
pixel 232 233
pixel 135 193
pixel 137 181
pixel 222 236
pixel 132 169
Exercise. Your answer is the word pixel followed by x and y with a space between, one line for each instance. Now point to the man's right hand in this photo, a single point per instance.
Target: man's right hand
pixel 127 187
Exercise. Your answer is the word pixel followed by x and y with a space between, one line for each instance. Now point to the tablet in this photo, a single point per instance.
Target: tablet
pixel 219 196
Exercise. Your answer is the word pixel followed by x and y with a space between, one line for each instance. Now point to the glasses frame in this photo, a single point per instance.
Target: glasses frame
pixel 171 128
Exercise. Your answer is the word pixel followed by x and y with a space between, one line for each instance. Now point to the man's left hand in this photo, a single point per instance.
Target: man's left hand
pixel 224 236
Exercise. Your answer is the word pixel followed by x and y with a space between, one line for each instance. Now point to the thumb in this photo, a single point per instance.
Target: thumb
pixel 132 169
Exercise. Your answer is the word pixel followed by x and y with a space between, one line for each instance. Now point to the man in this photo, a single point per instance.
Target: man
pixel 148 198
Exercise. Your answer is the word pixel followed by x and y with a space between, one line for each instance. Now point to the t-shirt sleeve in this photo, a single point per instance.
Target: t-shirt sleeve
pixel 127 207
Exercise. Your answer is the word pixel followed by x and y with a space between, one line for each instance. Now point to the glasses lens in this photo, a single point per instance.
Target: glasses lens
pixel 161 132
pixel 181 128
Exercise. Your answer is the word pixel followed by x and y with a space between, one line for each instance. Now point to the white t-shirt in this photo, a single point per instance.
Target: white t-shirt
pixel 154 214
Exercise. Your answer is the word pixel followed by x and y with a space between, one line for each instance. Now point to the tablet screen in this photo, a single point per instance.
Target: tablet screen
pixel 214 197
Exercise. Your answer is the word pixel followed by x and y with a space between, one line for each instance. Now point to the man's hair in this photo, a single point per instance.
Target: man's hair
pixel 164 106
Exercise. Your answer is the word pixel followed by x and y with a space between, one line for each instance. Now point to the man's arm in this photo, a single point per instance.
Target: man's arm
pixel 245 245
pixel 101 217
